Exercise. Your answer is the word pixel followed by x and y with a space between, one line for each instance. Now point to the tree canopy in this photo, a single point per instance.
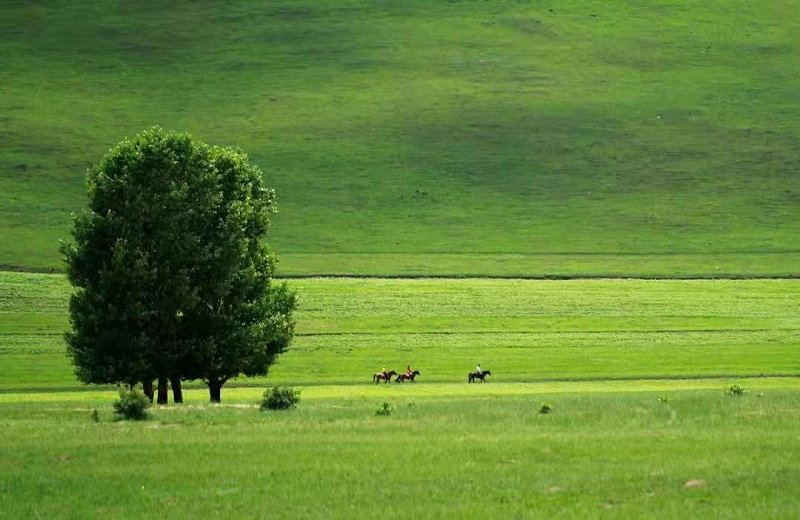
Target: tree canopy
pixel 173 279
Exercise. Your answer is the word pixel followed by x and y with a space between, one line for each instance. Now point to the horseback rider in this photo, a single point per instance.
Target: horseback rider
pixel 383 371
pixel 408 370
pixel 478 370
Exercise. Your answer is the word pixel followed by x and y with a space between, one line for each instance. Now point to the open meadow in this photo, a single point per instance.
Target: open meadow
pixel 636 373
pixel 599 202
pixel 605 451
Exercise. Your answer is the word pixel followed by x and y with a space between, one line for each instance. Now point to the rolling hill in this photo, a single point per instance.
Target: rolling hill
pixel 432 138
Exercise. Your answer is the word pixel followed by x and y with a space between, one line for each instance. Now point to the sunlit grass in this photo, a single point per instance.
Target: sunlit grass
pixel 640 449
pixel 522 330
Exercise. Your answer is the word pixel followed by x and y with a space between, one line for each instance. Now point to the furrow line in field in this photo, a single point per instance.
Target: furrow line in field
pixel 541 332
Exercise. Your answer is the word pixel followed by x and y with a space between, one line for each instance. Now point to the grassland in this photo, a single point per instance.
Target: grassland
pixel 609 453
pixel 635 370
pixel 522 330
pixel 638 141
pixel 432 138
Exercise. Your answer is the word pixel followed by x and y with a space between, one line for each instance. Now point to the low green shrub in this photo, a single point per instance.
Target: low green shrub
pixel 280 398
pixel 735 390
pixel 384 409
pixel 95 415
pixel 132 405
pixel 545 408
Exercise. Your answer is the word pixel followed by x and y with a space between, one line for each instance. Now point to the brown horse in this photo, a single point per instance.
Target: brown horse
pixel 401 378
pixel 385 376
pixel 474 375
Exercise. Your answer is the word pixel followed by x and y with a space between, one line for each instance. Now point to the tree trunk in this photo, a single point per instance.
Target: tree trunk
pixel 163 394
pixel 177 391
pixel 215 389
pixel 147 388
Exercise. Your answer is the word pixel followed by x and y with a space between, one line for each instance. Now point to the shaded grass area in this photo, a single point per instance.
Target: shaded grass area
pixel 623 452
pixel 522 330
pixel 498 129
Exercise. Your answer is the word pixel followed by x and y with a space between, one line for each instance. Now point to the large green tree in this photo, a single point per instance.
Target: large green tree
pixel 173 280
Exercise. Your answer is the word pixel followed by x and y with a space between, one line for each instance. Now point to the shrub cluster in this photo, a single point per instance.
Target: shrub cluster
pixel 545 408
pixel 132 405
pixel 735 390
pixel 280 398
pixel 384 409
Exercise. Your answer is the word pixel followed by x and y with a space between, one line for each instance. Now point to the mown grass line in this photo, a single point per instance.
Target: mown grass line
pixel 534 332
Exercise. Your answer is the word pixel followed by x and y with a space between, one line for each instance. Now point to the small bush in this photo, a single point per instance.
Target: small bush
pixel 735 390
pixel 95 415
pixel 280 398
pixel 663 399
pixel 132 405
pixel 384 409
pixel 545 408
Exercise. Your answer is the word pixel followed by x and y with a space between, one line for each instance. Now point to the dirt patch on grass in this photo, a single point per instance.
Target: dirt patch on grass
pixel 694 483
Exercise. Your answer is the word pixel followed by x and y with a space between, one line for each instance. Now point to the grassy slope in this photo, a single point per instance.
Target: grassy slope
pixel 521 330
pixel 659 137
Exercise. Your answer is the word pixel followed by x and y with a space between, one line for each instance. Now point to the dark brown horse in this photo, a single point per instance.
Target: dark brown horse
pixel 474 375
pixel 401 378
pixel 384 376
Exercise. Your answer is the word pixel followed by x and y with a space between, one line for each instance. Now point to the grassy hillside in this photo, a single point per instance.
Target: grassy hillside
pixel 654 138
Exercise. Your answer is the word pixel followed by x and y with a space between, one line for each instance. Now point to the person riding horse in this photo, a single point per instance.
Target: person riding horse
pixel 407 376
pixel 478 375
pixel 383 375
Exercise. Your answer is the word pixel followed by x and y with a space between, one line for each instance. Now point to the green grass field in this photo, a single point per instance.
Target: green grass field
pixel 432 138
pixel 605 451
pixel 645 152
pixel 522 330
pixel 636 372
